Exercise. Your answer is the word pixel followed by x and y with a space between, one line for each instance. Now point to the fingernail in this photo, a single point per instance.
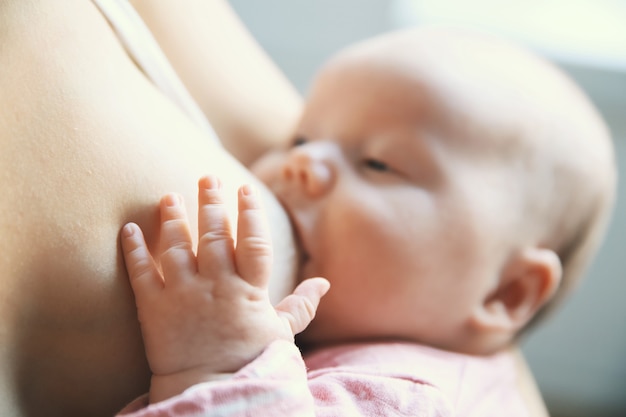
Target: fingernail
pixel 128 230
pixel 247 189
pixel 171 200
pixel 211 182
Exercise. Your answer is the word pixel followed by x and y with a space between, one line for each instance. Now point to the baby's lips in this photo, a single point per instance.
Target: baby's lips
pixel 297 219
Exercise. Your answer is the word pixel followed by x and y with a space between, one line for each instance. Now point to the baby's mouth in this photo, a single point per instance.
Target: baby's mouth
pixel 302 253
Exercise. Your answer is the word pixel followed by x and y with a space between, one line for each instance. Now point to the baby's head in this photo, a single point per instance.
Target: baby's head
pixel 449 185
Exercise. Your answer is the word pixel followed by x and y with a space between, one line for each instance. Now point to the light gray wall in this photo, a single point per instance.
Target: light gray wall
pixel 579 356
pixel 301 34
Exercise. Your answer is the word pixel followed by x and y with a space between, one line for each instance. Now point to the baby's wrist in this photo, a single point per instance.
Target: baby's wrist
pixel 163 387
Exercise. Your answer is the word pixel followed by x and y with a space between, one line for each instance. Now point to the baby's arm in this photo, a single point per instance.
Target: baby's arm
pixel 204 317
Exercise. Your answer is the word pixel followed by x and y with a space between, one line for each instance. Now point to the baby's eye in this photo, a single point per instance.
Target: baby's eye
pixel 298 141
pixel 376 165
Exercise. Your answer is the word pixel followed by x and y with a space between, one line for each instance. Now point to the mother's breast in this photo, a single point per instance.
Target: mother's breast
pixel 86 145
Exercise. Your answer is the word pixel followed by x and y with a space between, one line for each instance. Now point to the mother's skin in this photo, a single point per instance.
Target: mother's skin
pixel 86 145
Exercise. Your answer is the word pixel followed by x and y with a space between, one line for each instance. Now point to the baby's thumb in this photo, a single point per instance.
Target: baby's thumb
pixel 299 308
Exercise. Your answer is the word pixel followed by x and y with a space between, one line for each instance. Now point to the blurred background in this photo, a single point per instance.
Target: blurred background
pixel 579 356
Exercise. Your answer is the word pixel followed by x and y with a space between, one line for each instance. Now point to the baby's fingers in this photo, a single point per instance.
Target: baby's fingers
pixel 299 308
pixel 177 258
pixel 142 271
pixel 215 241
pixel 253 255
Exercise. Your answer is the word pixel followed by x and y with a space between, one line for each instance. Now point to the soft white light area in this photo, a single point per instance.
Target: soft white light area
pixel 584 32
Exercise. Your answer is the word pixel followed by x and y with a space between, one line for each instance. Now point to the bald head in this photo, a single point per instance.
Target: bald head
pixel 513 108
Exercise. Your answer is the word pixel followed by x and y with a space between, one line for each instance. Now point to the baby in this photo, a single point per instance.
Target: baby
pixel 450 187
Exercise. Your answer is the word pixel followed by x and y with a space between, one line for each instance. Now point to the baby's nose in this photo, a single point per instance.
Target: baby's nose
pixel 309 167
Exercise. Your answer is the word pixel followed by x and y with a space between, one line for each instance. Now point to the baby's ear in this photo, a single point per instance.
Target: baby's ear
pixel 528 281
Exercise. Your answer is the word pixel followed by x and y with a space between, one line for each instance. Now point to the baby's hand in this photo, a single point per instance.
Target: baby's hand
pixel 206 316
